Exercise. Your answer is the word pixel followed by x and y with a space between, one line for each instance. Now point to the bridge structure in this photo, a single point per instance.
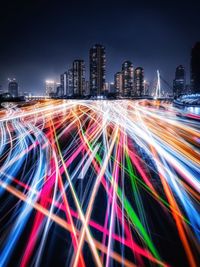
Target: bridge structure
pixel 37 97
pixel 158 87
pixel 158 91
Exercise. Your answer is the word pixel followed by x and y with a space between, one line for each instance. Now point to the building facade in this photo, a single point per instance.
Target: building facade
pixel 66 81
pixel 59 91
pixel 13 88
pixel 70 84
pixel 127 78
pixel 50 87
pixel 118 81
pixel 146 88
pixel 97 70
pixel 138 82
pixel 79 77
pixel 195 68
pixel 87 88
pixel 63 83
pixel 179 81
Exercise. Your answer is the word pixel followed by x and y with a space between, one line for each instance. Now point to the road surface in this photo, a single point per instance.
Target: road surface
pixel 99 183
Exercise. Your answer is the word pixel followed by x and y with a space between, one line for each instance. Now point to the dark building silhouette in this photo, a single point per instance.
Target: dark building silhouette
pixel 79 77
pixel 59 91
pixel 179 81
pixel 97 69
pixel 138 82
pixel 127 78
pixel 13 88
pixel 118 83
pixel 195 68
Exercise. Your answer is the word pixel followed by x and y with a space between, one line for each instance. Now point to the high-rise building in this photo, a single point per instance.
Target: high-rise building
pixel 127 78
pixel 13 87
pixel 97 69
pixel 109 88
pixel 106 88
pixel 87 88
pixel 112 88
pixel 79 77
pixel 70 88
pixel 146 88
pixel 195 68
pixel 179 81
pixel 66 81
pixel 138 82
pixel 50 87
pixel 118 83
pixel 59 91
pixel 63 83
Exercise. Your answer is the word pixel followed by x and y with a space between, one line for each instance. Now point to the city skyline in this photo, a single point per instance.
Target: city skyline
pixel 133 83
pixel 40 40
pixel 56 76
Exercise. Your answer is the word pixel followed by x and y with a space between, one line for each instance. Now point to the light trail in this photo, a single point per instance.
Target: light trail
pixel 98 183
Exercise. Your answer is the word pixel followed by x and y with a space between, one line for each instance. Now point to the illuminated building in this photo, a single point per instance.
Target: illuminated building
pixel 13 87
pixel 106 88
pixel 146 88
pixel 112 88
pixel 195 68
pixel 50 87
pixel 179 81
pixel 97 70
pixel 118 83
pixel 87 88
pixel 127 78
pixel 138 82
pixel 79 77
pixel 70 89
pixel 66 81
pixel 63 83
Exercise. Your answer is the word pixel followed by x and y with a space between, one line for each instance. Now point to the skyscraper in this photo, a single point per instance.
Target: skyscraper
pixel 63 83
pixel 127 78
pixel 13 87
pixel 79 77
pixel 118 83
pixel 195 68
pixel 146 87
pixel 50 87
pixel 112 88
pixel 66 80
pixel 97 69
pixel 70 88
pixel 87 88
pixel 59 91
pixel 179 81
pixel 138 82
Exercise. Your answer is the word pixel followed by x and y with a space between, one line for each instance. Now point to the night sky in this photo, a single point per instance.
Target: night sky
pixel 40 38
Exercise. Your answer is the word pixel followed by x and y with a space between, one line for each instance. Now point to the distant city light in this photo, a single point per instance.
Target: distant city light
pixel 50 81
